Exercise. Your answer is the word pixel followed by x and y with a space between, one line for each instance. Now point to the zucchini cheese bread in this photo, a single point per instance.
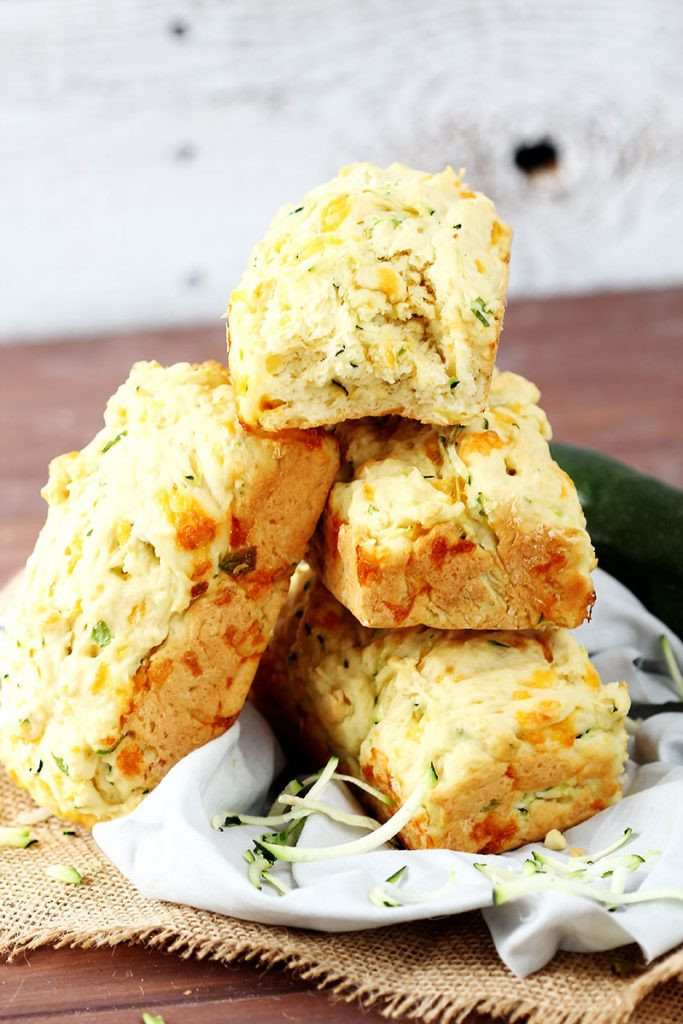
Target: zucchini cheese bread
pixel 382 291
pixel 153 588
pixel 467 527
pixel 521 733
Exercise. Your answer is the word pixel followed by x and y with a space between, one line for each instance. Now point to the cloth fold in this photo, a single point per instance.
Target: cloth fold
pixel 169 850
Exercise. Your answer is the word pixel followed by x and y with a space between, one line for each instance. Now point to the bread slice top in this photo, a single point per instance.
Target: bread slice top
pixel 382 291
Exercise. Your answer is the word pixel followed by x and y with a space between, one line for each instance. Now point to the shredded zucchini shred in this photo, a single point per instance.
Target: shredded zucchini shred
pixel 297 801
pixel 16 838
pixel 578 876
pixel 65 873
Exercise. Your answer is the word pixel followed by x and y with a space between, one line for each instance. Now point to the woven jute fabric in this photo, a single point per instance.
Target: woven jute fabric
pixel 435 971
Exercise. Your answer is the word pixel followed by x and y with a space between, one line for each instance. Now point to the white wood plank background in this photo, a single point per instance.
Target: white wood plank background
pixel 144 144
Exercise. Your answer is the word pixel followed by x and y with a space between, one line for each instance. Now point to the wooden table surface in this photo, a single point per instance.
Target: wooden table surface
pixel 609 367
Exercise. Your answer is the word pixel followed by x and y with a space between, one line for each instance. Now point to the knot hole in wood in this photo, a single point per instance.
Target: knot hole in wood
pixel 537 157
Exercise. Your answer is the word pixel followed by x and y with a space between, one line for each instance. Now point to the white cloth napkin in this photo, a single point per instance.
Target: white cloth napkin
pixel 169 851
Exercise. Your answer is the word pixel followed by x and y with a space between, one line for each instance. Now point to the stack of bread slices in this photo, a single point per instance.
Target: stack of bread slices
pixel 448 554
pixel 452 554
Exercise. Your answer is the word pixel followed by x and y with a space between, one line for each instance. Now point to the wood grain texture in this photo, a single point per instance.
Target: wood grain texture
pixel 144 147
pixel 610 371
pixel 112 986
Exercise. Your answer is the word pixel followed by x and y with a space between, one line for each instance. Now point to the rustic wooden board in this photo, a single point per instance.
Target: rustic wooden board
pixel 144 146
pixel 113 986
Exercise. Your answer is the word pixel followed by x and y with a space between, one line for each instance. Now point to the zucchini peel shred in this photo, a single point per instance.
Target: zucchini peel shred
pixel 65 873
pixel 302 798
pixel 578 876
pixel 671 664
pixel 16 838
pixel 390 894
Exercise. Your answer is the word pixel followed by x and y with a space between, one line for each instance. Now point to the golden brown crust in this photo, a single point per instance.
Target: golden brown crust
pixel 455 819
pixel 447 581
pixel 279 691
pixel 194 685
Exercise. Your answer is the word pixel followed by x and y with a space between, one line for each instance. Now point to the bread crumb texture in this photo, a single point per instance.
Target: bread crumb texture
pixel 382 291
pixel 554 840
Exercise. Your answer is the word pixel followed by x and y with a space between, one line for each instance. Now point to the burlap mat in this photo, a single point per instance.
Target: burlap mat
pixel 434 971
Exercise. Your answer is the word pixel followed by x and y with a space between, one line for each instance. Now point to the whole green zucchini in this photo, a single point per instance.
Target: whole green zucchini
pixel 636 525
